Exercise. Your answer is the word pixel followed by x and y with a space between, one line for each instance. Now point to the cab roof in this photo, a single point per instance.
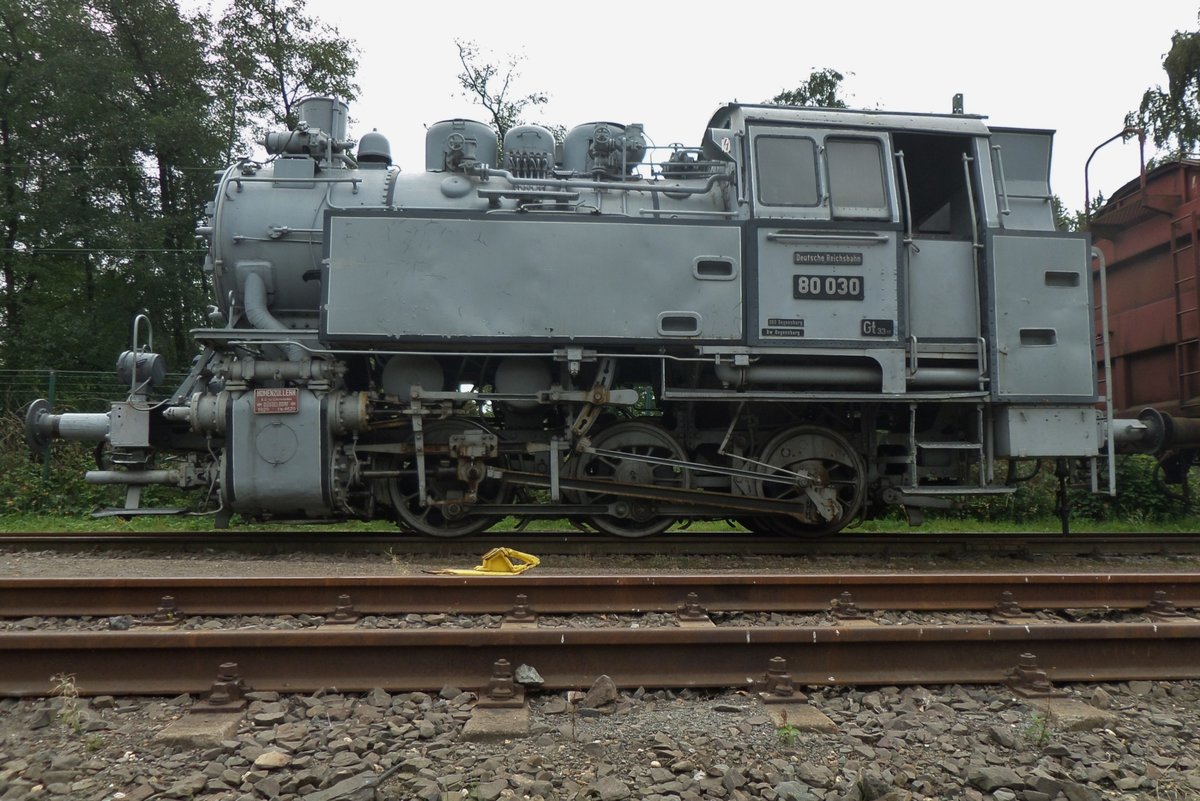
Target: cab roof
pixel 738 116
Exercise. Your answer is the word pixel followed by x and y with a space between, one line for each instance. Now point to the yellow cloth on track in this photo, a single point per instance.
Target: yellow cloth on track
pixel 496 562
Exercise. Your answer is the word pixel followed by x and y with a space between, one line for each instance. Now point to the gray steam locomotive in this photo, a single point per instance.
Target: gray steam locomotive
pixel 811 316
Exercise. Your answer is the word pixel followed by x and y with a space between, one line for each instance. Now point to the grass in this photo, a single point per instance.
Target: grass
pixel 787 734
pixel 1046 525
pixel 69 713
pixel 25 522
pixel 1039 729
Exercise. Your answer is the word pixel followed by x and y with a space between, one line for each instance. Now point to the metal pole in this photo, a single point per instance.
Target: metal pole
pixel 51 390
pixel 1127 131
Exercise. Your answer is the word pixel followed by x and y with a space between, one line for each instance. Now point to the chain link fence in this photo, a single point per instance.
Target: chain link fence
pixel 51 482
pixel 68 390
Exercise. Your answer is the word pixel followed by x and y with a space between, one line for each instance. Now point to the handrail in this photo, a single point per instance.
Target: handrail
pixel 837 239
pixel 1003 181
pixel 1097 253
pixel 241 179
pixel 908 226
pixel 966 161
pixel 574 183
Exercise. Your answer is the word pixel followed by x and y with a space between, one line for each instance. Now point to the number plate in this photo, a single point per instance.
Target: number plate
pixel 827 287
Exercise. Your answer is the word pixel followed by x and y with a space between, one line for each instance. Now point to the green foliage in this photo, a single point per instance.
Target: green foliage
pixel 21 486
pixel 1171 116
pixel 113 116
pixel 787 734
pixel 97 197
pixel 271 56
pixel 1038 730
pixel 1142 497
pixel 1073 220
pixel 822 88
pixel 52 212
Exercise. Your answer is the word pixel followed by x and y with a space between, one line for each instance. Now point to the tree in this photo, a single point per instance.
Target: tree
pixel 1172 116
pixel 486 84
pixel 17 88
pixel 67 166
pixel 174 125
pixel 821 89
pixel 107 150
pixel 1065 220
pixel 113 117
pixel 1076 220
pixel 270 56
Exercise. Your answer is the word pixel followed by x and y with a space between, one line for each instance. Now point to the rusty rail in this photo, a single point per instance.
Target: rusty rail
pixel 167 662
pixel 556 594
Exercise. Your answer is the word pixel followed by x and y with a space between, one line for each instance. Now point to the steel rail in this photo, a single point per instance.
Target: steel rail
pixel 616 593
pixel 168 662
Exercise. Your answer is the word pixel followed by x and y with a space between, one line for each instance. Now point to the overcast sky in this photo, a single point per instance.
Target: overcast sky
pixel 1074 67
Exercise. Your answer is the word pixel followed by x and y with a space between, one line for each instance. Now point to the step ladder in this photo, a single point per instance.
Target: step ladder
pixel 983 461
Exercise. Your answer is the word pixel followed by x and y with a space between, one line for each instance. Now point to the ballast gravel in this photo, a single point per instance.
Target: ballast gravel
pixel 911 743
pixel 581 621
pixel 895 744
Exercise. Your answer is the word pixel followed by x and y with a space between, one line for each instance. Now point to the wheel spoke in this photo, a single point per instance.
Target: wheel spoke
pixel 431 519
pixel 635 438
pixel 830 459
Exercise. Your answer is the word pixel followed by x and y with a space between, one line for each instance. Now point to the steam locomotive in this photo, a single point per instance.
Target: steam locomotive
pixel 811 316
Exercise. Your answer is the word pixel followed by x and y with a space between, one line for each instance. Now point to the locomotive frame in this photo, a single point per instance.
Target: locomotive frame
pixel 812 316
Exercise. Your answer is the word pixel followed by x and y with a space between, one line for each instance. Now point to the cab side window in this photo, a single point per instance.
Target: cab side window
pixel 857 188
pixel 787 171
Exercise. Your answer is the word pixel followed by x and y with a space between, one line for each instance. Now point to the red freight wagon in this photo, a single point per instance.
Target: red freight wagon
pixel 1148 234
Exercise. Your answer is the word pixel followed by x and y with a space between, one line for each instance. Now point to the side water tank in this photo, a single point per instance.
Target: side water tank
pixel 451 145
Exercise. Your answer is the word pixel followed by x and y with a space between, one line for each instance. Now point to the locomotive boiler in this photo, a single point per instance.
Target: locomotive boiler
pixel 808 317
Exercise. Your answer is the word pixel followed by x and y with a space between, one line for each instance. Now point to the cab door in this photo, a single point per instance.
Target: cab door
pixel 942 212
pixel 827 239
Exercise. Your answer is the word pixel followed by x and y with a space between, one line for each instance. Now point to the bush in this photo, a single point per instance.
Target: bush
pixel 65 492
pixel 1142 497
pixel 1143 494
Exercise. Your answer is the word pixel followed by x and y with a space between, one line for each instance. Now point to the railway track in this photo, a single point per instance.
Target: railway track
pixel 149 659
pixel 164 663
pixel 572 543
pixel 602 594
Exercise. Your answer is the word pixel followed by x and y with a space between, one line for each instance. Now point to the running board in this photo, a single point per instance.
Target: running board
pixel 956 490
pixel 137 512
